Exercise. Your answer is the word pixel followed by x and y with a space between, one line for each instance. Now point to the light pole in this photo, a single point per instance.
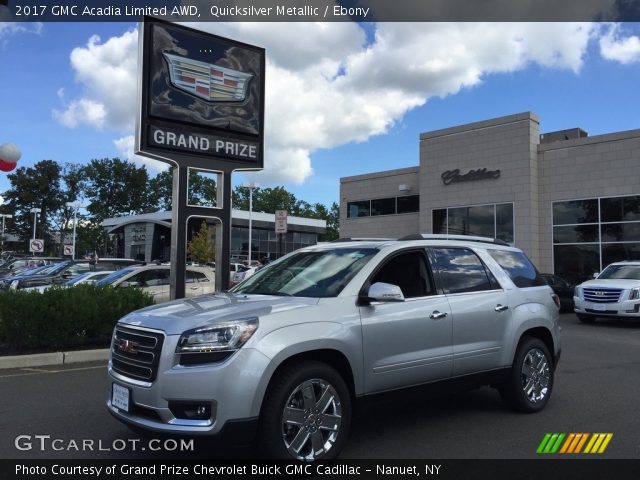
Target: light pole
pixel 73 241
pixel 250 186
pixel 35 212
pixel 4 215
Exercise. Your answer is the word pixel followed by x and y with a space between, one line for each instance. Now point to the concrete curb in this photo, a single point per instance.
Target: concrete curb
pixel 55 358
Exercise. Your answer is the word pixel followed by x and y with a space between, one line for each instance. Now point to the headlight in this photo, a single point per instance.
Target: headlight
pixel 226 336
pixel 14 284
pixel 576 292
pixel 635 294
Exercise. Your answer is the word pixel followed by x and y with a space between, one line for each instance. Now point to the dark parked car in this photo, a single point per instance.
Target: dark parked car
pixel 61 272
pixel 563 289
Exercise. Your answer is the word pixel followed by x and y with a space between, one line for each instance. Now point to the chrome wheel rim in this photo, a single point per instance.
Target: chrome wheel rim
pixel 536 376
pixel 311 420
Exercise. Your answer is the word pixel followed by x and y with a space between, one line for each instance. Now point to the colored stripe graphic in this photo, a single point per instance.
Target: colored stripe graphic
pixel 573 443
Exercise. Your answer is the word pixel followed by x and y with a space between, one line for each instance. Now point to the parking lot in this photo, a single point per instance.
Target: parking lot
pixel 597 387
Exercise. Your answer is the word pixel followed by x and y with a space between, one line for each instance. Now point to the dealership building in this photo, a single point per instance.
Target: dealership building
pixel 569 200
pixel 147 237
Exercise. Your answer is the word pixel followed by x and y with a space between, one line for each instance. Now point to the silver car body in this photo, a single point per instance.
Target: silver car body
pixel 384 345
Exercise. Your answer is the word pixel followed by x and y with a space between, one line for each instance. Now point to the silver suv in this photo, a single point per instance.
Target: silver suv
pixel 286 353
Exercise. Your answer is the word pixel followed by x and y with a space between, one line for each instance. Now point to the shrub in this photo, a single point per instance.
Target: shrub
pixel 62 318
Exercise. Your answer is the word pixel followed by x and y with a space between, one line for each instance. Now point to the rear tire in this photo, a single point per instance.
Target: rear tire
pixel 306 413
pixel 586 318
pixel 531 379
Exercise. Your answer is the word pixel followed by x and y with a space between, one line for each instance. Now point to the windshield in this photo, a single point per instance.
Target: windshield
pixel 109 279
pixel 629 272
pixel 322 273
pixel 54 269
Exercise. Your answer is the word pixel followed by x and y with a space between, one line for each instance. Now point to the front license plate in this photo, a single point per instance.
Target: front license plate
pixel 120 397
pixel 599 307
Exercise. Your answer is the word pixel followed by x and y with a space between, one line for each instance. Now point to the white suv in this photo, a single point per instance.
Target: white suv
pixel 614 293
pixel 285 354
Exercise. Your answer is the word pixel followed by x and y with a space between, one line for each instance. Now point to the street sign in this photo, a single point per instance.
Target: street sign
pixel 67 250
pixel 281 221
pixel 36 245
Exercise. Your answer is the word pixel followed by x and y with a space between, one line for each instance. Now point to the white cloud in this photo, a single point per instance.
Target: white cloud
pixel 9 29
pixel 614 46
pixel 126 147
pixel 107 72
pixel 327 86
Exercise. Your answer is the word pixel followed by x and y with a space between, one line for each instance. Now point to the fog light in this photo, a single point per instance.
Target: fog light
pixel 191 410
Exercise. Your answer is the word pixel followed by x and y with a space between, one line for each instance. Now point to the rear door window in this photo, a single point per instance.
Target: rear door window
pixel 461 271
pixel 518 267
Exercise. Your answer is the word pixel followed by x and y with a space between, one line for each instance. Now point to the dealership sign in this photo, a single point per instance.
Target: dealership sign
pixel 454 176
pixel 202 99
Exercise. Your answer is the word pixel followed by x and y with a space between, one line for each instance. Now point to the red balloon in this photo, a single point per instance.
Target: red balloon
pixel 6 166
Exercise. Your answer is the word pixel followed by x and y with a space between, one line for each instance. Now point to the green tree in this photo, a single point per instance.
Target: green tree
pixel 201 248
pixel 115 187
pixel 34 187
pixel 202 189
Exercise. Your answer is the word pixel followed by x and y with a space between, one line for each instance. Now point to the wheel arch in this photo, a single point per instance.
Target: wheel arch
pixel 541 333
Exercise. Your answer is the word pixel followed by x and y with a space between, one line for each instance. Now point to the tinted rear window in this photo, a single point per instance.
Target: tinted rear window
pixel 519 268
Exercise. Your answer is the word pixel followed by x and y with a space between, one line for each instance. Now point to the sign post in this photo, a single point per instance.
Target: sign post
pixel 201 108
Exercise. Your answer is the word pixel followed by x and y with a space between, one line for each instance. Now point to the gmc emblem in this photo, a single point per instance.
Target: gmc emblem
pixel 127 346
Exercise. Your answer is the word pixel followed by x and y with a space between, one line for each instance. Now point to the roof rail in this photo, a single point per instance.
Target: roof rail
pixel 464 238
pixel 362 239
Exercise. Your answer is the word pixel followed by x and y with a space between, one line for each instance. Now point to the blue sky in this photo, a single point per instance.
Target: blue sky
pixel 356 101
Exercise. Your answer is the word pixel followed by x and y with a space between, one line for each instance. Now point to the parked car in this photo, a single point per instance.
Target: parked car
pixel 284 355
pixel 242 273
pixel 81 279
pixel 562 288
pixel 233 268
pixel 56 273
pixel 614 293
pixel 154 279
pixel 61 272
pixel 10 267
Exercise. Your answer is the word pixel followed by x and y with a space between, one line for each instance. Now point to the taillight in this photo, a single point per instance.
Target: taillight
pixel 556 300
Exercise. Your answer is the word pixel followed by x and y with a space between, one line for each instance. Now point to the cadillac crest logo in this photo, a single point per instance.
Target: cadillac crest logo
pixel 206 80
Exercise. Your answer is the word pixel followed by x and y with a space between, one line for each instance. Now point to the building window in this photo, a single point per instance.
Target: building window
pixel 409 204
pixel 590 234
pixel 384 206
pixel 493 220
pixel 358 209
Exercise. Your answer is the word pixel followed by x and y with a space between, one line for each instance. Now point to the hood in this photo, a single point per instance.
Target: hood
pixel 179 315
pixel 611 283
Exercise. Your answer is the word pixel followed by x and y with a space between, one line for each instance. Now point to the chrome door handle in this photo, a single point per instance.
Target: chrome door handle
pixel 501 308
pixel 436 315
pixel 194 288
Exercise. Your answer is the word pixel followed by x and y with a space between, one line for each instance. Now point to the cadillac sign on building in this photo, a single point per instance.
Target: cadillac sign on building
pixel 202 99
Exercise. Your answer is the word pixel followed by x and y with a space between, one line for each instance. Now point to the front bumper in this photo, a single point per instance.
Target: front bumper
pixel 625 308
pixel 230 388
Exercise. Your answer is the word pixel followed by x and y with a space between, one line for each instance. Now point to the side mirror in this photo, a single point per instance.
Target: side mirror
pixel 595 274
pixel 385 292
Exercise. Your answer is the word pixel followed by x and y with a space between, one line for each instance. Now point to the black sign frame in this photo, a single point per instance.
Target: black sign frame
pixel 204 132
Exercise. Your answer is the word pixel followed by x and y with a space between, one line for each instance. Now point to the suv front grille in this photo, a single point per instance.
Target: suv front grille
pixel 602 295
pixel 135 353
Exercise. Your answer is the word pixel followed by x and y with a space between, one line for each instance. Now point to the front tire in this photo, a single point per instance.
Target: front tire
pixel 531 378
pixel 306 414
